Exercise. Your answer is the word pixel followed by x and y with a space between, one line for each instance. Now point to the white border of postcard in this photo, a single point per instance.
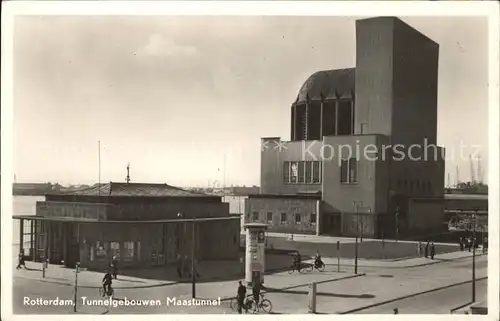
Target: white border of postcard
pixel 487 9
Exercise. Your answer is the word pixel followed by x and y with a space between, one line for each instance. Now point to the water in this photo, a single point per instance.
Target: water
pixel 26 205
pixel 23 205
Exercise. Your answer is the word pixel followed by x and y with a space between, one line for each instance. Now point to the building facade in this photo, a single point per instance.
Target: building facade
pixel 363 140
pixel 140 224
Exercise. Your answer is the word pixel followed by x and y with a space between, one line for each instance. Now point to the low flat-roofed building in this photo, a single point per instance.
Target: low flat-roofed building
pixel 140 224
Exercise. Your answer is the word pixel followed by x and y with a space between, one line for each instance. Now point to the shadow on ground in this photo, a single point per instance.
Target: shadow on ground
pixel 210 271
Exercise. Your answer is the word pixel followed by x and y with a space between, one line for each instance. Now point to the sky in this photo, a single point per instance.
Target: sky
pixel 172 95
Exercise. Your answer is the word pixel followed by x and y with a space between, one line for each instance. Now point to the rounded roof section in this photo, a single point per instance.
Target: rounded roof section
pixel 328 84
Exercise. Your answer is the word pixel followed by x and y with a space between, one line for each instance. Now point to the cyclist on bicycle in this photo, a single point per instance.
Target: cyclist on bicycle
pixel 107 280
pixel 317 260
pixel 297 261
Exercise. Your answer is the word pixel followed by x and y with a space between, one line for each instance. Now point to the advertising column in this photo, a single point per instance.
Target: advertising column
pixel 255 253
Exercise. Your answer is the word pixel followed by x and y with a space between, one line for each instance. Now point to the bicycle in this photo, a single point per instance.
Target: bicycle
pixel 310 267
pixel 110 293
pixel 249 304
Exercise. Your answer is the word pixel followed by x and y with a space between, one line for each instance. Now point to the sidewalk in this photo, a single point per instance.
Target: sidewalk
pixel 147 278
pixel 410 262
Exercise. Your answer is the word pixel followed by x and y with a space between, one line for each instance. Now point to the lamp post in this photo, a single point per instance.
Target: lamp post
pixel 193 267
pixel 474 256
pixel 356 206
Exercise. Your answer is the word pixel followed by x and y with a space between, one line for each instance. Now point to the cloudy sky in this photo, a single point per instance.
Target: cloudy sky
pixel 172 95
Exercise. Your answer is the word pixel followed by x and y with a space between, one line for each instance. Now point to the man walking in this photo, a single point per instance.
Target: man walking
pixel 419 249
pixel 241 293
pixel 427 249
pixel 21 260
pixel 114 267
pixel 433 250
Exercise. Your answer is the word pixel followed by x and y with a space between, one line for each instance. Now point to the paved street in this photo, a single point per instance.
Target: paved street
pixel 438 302
pixel 288 292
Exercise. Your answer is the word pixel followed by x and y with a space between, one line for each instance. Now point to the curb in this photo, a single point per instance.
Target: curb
pixel 410 296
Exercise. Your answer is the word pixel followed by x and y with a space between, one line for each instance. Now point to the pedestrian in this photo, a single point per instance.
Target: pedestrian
pixel 196 268
pixel 396 311
pixel 186 268
pixel 242 264
pixel 461 242
pixel 485 245
pixel 180 265
pixel 240 296
pixel 433 250
pixel 469 243
pixel 21 260
pixel 419 249
pixel 427 249
pixel 114 267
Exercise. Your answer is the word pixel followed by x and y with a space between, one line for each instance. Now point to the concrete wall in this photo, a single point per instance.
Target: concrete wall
pixel 290 206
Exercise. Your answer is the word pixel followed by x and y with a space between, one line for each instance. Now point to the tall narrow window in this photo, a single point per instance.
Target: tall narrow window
pixel 283 218
pixel 313 219
pixel 270 217
pixel 294 172
pixel 128 251
pixel 316 172
pixel 286 172
pixel 298 218
pixel 308 172
pixel 255 216
pixel 349 170
pixel 301 171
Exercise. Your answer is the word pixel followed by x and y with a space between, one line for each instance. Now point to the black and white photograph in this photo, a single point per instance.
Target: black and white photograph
pixel 250 158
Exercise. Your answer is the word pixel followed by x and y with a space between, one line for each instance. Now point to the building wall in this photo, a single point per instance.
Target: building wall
pixel 424 217
pixel 97 211
pixel 273 157
pixel 168 209
pixel 214 240
pixel 396 81
pixel 277 206
pixel 374 75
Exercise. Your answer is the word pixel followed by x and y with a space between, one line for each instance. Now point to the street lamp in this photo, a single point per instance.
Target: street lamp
pixel 193 269
pixel 474 256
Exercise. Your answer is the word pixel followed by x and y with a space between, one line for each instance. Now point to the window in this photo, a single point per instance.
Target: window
pixel 286 172
pixel 294 172
pixel 128 251
pixel 316 171
pixel 308 172
pixel 255 216
pixel 283 218
pixel 313 219
pixel 301 172
pixel 270 217
pixel 115 250
pixel 349 171
pixel 101 250
pixel 297 218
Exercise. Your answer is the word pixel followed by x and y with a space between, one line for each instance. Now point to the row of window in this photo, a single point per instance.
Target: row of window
pixel 105 251
pixel 424 186
pixel 309 172
pixel 302 172
pixel 284 218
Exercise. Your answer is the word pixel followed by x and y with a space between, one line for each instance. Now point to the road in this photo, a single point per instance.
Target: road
pixel 290 294
pixel 438 302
